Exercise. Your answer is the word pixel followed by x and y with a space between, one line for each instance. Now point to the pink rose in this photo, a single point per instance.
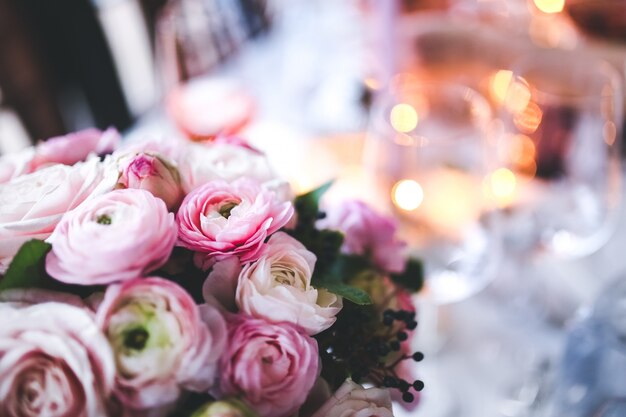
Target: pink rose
pixel 202 163
pixel 113 237
pixel 32 205
pixel 153 173
pixel 270 366
pixel 220 219
pixel 352 400
pixel 163 343
pixel 75 147
pixel 368 233
pixel 66 150
pixel 277 287
pixel 54 361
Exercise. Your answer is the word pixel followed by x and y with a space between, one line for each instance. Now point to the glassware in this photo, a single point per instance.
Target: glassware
pixel 428 154
pixel 561 114
pixel 592 376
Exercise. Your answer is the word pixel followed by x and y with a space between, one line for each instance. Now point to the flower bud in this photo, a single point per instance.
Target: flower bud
pixel 154 174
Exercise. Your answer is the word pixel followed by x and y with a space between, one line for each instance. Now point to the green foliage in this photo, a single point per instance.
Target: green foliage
pixel 412 278
pixel 27 270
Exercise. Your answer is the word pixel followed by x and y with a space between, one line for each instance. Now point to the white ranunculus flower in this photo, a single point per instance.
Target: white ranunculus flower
pixel 162 341
pixel 277 287
pixel 202 163
pixel 31 205
pixel 54 362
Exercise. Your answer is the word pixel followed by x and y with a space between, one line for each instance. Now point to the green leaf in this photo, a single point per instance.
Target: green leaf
pixel 356 295
pixel 412 278
pixel 27 270
pixel 307 205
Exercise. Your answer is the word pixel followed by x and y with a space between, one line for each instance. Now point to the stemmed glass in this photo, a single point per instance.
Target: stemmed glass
pixel 562 122
pixel 429 153
pixel 430 158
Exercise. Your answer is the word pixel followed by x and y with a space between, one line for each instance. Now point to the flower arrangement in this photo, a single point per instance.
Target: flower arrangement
pixel 173 278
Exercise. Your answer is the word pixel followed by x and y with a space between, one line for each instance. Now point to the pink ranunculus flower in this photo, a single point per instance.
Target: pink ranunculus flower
pixel 162 341
pixel 272 367
pixel 221 219
pixel 32 205
pixel 75 147
pixel 113 237
pixel 368 233
pixel 277 287
pixel 202 163
pixel 352 400
pixel 154 173
pixel 66 150
pixel 54 361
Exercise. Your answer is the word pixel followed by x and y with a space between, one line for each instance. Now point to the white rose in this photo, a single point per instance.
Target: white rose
pixel 277 287
pixel 54 361
pixel 31 205
pixel 352 400
pixel 202 163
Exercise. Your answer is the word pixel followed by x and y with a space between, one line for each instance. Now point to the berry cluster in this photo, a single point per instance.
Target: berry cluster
pixel 368 350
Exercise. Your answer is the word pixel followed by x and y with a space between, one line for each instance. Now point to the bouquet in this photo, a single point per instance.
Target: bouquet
pixel 174 278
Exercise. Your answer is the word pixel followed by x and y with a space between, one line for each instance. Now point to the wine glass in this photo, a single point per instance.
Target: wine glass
pixel 428 153
pixel 562 122
pixel 429 156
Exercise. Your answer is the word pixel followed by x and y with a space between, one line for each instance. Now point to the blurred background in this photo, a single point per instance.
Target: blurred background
pixel 490 129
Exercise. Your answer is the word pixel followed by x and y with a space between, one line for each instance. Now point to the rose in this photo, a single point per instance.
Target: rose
pixel 113 237
pixel 53 362
pixel 153 173
pixel 32 205
pixel 272 367
pixel 220 219
pixel 202 163
pixel 352 400
pixel 225 408
pixel 163 343
pixel 367 233
pixel 67 150
pixel 277 287
pixel 75 147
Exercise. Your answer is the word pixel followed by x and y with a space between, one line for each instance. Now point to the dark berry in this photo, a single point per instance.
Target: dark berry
pixel 412 325
pixel 418 385
pixel 402 336
pixel 407 397
pixel 418 356
pixel 387 321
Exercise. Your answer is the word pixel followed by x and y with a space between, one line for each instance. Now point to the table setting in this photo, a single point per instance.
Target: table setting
pixel 369 208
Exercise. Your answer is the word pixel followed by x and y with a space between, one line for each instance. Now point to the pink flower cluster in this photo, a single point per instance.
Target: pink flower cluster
pixel 133 237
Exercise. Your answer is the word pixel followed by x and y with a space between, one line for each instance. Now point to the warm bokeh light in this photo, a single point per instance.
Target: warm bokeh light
pixel 517 96
pixel 522 150
pixel 451 203
pixel 529 119
pixel 502 183
pixel 407 194
pixel 403 117
pixel 550 6
pixel 499 84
